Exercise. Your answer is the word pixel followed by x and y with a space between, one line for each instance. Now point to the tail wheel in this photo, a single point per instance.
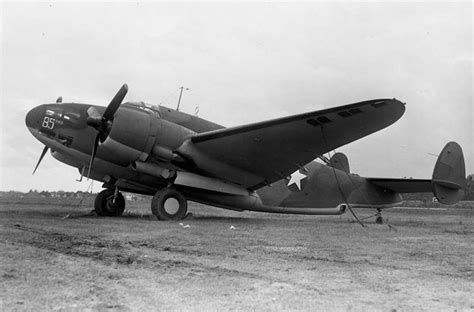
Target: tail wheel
pixel 169 204
pixel 378 217
pixel 105 205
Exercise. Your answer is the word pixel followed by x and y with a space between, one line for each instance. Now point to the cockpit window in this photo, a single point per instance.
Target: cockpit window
pixel 63 116
pixel 56 113
pixel 72 116
pixel 149 108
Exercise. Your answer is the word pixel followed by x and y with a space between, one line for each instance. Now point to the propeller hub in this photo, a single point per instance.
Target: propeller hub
pixel 94 122
pixel 103 123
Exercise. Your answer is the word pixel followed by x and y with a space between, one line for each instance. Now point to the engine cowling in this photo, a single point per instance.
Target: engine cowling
pixel 131 137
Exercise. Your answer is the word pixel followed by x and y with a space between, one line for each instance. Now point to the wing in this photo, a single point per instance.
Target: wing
pixel 403 185
pixel 258 154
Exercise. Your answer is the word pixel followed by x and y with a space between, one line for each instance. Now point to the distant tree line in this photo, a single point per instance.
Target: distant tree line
pixel 59 194
pixel 46 194
pixel 469 188
pixel 469 193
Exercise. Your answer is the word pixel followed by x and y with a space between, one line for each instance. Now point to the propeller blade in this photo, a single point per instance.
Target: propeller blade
pixel 115 103
pixel 94 151
pixel 45 149
pixel 103 123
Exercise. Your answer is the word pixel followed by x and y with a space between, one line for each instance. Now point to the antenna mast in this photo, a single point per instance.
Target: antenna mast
pixel 180 95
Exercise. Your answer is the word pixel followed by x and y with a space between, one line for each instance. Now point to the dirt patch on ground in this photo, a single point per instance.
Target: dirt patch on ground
pixel 59 257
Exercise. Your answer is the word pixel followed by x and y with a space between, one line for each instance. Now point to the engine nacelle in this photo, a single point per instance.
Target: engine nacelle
pixel 132 136
pixel 137 132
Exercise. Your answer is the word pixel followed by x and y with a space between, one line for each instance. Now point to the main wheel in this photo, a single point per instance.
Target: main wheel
pixel 169 204
pixel 106 206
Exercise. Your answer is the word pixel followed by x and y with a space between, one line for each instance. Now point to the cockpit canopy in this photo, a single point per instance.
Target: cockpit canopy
pixel 149 108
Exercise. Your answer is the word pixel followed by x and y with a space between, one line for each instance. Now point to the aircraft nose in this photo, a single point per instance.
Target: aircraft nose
pixel 34 117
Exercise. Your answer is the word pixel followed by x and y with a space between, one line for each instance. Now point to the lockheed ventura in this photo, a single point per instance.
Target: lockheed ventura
pixel 265 166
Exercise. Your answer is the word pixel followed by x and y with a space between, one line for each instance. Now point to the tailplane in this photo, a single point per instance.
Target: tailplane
pixel 448 181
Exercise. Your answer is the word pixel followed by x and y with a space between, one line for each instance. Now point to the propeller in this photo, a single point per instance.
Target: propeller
pixel 103 123
pixel 45 149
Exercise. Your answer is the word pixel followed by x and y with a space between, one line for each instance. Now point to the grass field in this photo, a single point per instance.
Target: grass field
pixel 55 256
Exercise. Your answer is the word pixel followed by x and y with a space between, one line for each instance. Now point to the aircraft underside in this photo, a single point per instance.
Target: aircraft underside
pixel 130 180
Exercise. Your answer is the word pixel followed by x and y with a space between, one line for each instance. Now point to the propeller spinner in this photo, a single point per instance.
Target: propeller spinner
pixel 103 123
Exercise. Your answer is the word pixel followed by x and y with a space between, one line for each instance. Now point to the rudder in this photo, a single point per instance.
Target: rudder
pixel 449 175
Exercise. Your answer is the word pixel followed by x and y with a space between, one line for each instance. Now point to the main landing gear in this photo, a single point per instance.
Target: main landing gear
pixel 109 202
pixel 169 204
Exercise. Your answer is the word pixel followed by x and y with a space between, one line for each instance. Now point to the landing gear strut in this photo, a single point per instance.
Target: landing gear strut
pixel 169 204
pixel 109 202
pixel 378 217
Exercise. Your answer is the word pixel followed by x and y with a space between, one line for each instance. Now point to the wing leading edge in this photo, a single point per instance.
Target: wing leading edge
pixel 261 153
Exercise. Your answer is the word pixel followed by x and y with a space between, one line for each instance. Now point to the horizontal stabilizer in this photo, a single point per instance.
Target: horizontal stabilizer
pixel 448 179
pixel 403 185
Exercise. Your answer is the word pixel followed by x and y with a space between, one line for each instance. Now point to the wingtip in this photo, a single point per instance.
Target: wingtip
pixel 400 104
pixel 398 101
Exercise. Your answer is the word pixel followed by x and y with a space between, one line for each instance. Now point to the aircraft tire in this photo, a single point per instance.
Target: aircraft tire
pixel 104 205
pixel 169 204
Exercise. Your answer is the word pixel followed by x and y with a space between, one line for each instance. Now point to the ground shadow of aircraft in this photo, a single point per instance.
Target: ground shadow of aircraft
pixel 265 166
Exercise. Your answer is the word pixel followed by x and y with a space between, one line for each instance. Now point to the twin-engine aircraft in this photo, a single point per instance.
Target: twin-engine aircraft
pixel 265 166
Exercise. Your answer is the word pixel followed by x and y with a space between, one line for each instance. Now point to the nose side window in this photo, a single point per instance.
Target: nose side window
pixel 52 118
pixel 72 116
pixel 54 113
pixel 63 117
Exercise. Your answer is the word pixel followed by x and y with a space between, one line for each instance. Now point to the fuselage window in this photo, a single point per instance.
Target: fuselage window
pixel 56 113
pixel 73 117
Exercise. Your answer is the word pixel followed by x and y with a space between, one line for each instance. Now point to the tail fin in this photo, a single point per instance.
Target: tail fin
pixel 449 175
pixel 339 161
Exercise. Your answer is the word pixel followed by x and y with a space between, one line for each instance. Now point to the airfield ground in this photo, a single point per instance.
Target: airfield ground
pixel 54 257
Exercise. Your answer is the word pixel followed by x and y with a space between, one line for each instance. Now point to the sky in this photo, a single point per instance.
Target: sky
pixel 242 62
